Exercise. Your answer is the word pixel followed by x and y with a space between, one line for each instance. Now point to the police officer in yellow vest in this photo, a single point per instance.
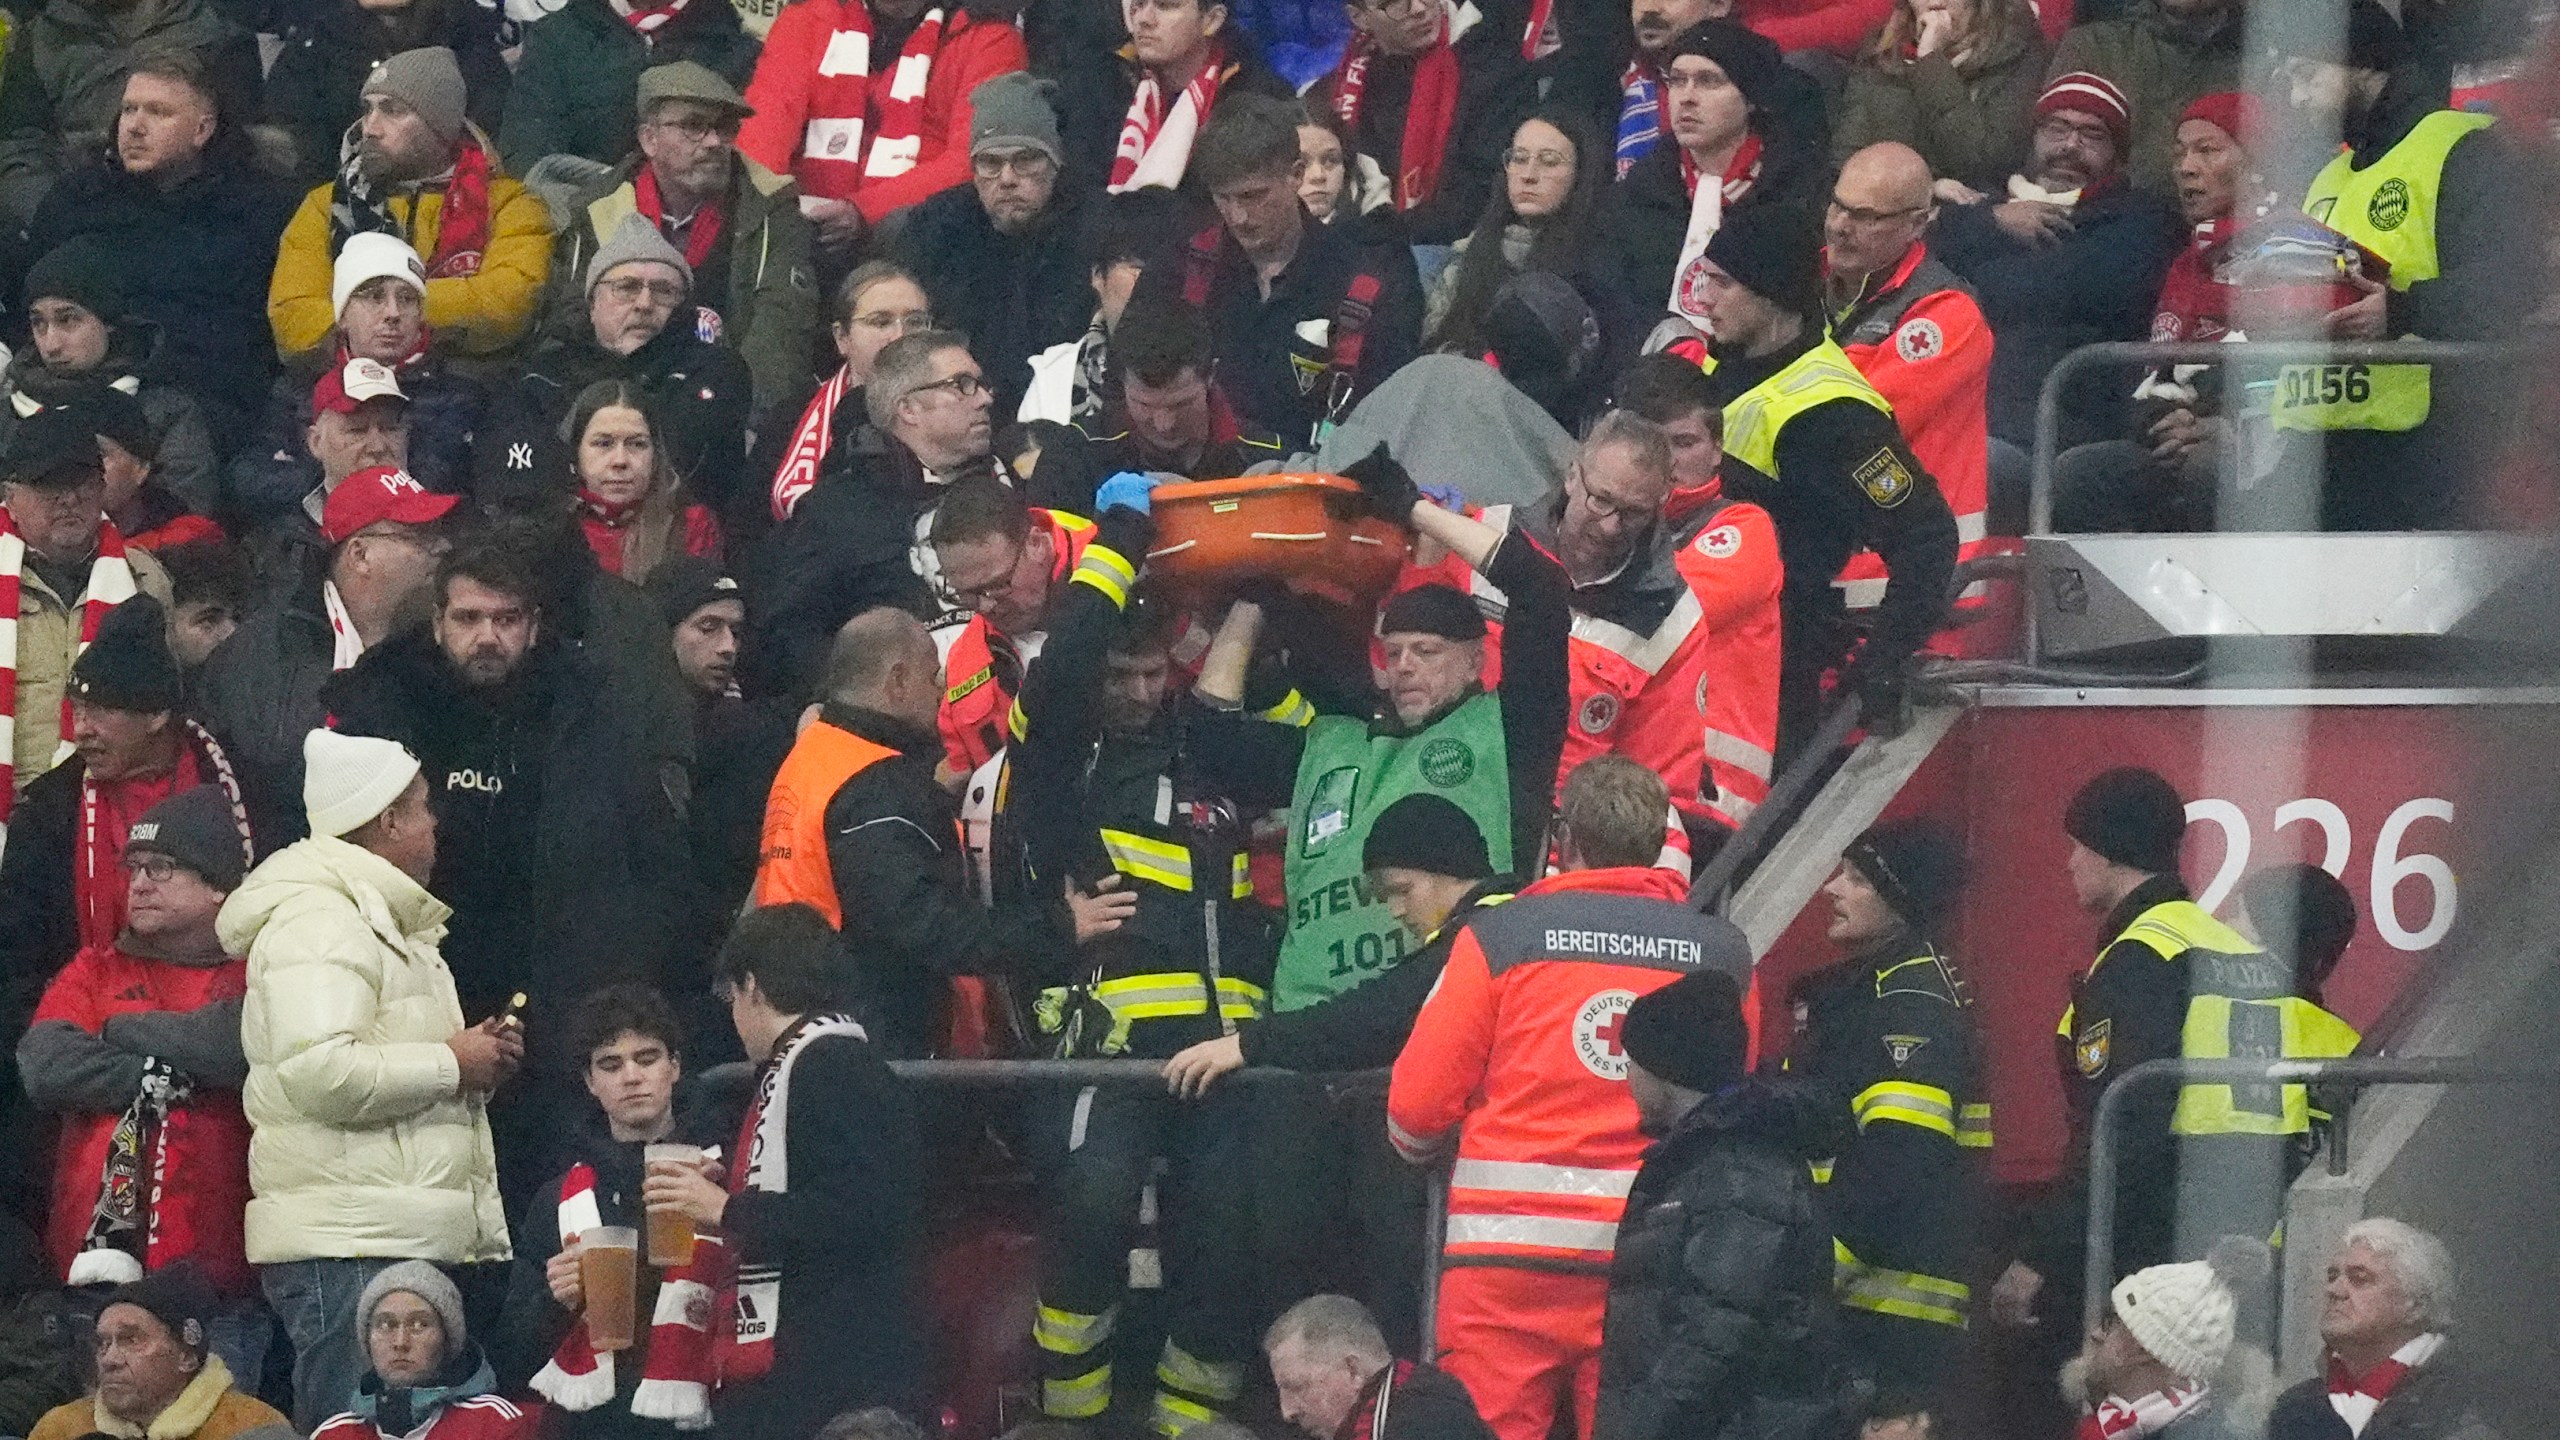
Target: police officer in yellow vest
pixel 1808 439
pixel 2430 190
pixel 2196 1162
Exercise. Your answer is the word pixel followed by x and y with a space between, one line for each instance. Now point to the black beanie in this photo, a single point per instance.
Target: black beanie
pixel 1690 1032
pixel 81 271
pixel 178 1297
pixel 1749 59
pixel 1433 610
pixel 129 667
pixel 1775 252
pixel 116 415
pixel 683 584
pixel 2131 816
pixel 2302 912
pixel 1915 865
pixel 2370 39
pixel 1427 833
pixel 198 829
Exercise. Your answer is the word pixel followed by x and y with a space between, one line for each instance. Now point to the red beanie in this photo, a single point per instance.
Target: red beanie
pixel 2235 112
pixel 2091 95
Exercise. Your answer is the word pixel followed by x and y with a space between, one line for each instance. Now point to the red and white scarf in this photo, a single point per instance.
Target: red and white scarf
pixel 753 1297
pixel 1540 38
pixel 678 1371
pixel 2356 1397
pixel 2117 1419
pixel 649 18
pixel 1155 139
pixel 110 585
pixel 810 441
pixel 1706 216
pixel 835 158
pixel 1428 116
pixel 107 813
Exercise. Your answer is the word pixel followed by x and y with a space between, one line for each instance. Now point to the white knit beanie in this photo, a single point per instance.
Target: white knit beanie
pixel 349 779
pixel 372 256
pixel 2181 1313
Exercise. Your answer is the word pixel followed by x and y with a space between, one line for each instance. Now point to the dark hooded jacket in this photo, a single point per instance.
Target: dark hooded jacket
pixel 275 469
pixel 186 465
pixel 1012 295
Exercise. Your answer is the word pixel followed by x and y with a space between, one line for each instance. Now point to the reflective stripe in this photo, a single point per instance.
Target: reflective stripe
pixel 1408 1144
pixel 1527 1177
pixel 1293 710
pixel 1926 1106
pixel 1867 594
pixel 1185 1371
pixel 1081 1398
pixel 1821 1170
pixel 1906 1293
pixel 1153 997
pixel 1544 1230
pixel 1648 653
pixel 1733 750
pixel 1064 1332
pixel 1159 862
pixel 1017 721
pixel 1973 1126
pixel 1240 876
pixel 1241 999
pixel 1972 527
pixel 1107 571
pixel 1733 807
pixel 1173 1415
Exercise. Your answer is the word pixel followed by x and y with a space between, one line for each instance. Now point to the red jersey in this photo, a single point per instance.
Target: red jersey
pixel 480 1417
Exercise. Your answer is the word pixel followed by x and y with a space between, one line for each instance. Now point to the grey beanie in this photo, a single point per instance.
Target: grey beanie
pixel 633 240
pixel 428 81
pixel 1013 109
pixel 427 1283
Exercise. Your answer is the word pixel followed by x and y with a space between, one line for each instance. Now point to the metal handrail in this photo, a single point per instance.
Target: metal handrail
pixel 2097 1272
pixel 1788 794
pixel 2048 436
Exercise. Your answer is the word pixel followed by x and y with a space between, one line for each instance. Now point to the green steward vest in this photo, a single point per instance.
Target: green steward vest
pixel 2388 207
pixel 1755 419
pixel 1340 934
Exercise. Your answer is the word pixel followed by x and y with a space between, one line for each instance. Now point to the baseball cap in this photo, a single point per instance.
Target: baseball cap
pixel 382 493
pixel 54 448
pixel 352 384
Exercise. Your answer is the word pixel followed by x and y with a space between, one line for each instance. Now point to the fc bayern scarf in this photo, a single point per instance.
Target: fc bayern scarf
pixel 2356 1397
pixel 462 225
pixel 110 585
pixel 1428 115
pixel 1155 139
pixel 1706 216
pixel 836 158
pixel 648 19
pixel 798 471
pixel 1639 115
pixel 2116 1419
pixel 137 1163
pixel 677 1374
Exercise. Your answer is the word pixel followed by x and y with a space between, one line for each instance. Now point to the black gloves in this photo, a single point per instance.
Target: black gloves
pixel 1390 492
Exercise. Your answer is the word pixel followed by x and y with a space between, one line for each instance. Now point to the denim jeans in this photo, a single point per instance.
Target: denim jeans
pixel 240 1332
pixel 316 1300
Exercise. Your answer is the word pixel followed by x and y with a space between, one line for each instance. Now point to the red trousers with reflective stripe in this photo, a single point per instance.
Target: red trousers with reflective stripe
pixel 1523 1342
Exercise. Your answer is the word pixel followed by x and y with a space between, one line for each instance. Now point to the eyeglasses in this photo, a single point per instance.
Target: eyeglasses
pixel 158 869
pixel 1860 215
pixel 972 597
pixel 1543 159
pixel 419 1325
pixel 1600 506
pixel 631 287
pixel 2055 128
pixel 1026 163
pixel 966 385
pixel 697 128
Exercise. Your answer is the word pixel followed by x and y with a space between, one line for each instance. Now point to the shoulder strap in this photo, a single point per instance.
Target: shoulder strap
pixel 1350 338
pixel 1200 266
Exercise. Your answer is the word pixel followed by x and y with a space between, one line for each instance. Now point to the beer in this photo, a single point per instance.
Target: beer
pixel 608 1267
pixel 670 1230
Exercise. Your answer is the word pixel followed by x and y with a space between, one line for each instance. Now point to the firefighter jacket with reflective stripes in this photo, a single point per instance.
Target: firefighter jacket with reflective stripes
pixel 1806 436
pixel 1084 802
pixel 2388 207
pixel 1918 336
pixel 1888 1041
pixel 1519 1051
pixel 794 863
pixel 982 667
pixel 1674 657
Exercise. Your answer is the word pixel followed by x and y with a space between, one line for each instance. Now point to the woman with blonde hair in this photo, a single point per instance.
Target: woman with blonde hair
pixel 633 508
pixel 1955 80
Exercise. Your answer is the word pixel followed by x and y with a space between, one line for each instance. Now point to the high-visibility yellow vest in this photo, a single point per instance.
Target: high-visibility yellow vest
pixel 1755 418
pixel 2240 1006
pixel 2388 207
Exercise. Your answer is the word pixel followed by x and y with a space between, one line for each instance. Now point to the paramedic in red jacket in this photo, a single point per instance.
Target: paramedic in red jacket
pixel 146 1030
pixel 1517 1057
pixel 1911 326
pixel 1002 560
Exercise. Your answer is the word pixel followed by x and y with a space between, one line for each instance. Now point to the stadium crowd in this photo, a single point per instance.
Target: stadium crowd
pixel 575 577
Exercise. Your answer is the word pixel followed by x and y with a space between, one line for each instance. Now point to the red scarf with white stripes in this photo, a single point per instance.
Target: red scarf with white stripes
pixel 110 585
pixel 809 443
pixel 1428 115
pixel 2355 1397
pixel 1156 138
pixel 2116 1419
pixel 648 19
pixel 679 1369
pixel 836 156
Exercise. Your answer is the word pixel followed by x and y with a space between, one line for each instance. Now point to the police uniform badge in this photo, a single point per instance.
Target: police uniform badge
pixel 1885 479
pixel 2090 1048
pixel 1903 1047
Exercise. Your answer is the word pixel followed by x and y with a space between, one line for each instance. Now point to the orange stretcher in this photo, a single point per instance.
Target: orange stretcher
pixel 1309 532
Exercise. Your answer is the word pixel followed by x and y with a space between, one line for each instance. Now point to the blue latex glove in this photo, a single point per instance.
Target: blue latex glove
pixel 1446 497
pixel 1130 488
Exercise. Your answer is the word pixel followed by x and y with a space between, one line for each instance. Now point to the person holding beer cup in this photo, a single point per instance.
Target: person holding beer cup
pixel 585 1283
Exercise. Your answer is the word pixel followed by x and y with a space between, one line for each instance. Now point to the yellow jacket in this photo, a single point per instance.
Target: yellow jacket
pixel 208 1409
pixel 470 314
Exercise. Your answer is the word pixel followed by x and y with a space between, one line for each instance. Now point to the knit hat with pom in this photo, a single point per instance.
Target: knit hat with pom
pixel 2183 1313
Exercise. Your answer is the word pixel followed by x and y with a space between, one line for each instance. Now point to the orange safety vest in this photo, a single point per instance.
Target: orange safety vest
pixel 1520 1049
pixel 1922 343
pixel 977 700
pixel 794 867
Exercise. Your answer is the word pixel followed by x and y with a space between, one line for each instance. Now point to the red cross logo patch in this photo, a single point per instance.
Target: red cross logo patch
pixel 1600 1031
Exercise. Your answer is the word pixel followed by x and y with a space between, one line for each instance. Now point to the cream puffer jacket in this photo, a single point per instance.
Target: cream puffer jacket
pixel 363 1143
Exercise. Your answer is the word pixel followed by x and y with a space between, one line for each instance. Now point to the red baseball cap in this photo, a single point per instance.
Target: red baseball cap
pixel 382 493
pixel 347 386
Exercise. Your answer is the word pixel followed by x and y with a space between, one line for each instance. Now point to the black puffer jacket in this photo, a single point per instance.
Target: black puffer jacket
pixel 259 694
pixel 186 464
pixel 329 46
pixel 1720 1322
